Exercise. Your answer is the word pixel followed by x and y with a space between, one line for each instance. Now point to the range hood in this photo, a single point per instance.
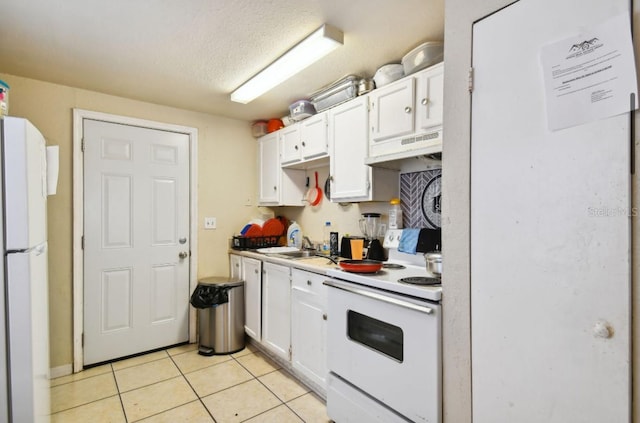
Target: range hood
pixel 428 148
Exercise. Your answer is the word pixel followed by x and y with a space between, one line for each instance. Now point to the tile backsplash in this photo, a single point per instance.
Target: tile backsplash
pixel 420 198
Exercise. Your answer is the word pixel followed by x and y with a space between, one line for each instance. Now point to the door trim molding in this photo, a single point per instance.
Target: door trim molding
pixel 78 215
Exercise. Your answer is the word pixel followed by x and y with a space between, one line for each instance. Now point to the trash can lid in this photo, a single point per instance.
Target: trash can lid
pixel 221 281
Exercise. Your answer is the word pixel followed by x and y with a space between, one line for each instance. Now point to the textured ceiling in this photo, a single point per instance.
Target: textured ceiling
pixel 191 54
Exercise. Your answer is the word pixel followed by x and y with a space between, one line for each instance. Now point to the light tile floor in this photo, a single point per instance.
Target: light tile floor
pixel 179 385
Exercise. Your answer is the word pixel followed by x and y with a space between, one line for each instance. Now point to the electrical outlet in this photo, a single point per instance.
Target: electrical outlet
pixel 209 222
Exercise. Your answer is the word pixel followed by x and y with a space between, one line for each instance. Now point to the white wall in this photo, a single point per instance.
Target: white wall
pixel 225 180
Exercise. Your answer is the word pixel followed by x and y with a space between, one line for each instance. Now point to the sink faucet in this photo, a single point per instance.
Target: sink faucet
pixel 306 243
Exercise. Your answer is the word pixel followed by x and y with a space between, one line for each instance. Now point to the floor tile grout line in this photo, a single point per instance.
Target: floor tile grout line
pixel 83 404
pixel 194 390
pixel 137 365
pixel 78 380
pixel 285 403
pixel 200 368
pixel 124 411
pixel 165 411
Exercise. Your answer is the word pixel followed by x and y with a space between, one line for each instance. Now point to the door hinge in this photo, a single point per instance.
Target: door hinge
pixel 82 145
pixel 470 80
pixel 289 352
pixel 82 340
pixel 82 242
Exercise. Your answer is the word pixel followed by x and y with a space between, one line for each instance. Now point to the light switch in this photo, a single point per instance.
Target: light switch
pixel 209 222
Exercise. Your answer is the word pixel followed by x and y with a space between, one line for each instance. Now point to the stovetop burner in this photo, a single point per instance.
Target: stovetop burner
pixel 420 280
pixel 393 266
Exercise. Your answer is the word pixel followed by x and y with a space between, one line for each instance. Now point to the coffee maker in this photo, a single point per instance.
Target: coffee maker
pixel 371 227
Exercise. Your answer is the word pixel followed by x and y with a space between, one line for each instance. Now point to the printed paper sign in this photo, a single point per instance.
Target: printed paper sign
pixel 590 76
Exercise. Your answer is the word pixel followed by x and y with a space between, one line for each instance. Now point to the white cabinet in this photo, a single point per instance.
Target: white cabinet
pixel 277 186
pixel 276 309
pixel 430 97
pixel 313 136
pixel 351 179
pixel 235 266
pixel 309 325
pixel 304 142
pixel 290 144
pixel 392 110
pixel 406 116
pixel 252 275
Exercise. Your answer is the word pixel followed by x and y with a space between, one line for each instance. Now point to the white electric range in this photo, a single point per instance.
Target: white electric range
pixel 384 349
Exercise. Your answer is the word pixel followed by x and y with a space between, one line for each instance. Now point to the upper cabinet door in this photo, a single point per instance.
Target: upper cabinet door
pixel 290 144
pixel 392 110
pixel 269 162
pixel 350 177
pixel 313 136
pixel 430 97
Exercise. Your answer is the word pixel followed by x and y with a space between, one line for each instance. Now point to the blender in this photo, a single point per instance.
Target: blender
pixel 371 227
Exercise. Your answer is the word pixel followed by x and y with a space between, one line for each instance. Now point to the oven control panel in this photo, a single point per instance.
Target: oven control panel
pixel 392 238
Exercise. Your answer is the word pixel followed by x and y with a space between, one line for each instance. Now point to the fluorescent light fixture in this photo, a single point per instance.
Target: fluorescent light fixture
pixel 311 49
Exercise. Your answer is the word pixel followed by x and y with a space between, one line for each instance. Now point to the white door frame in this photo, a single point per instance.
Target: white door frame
pixel 78 215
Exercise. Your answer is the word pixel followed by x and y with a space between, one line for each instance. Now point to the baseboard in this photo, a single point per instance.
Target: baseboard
pixel 59 371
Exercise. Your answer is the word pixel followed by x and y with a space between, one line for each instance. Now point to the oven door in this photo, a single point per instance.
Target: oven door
pixel 388 346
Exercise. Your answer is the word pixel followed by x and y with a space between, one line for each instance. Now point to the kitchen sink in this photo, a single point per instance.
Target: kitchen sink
pixel 297 254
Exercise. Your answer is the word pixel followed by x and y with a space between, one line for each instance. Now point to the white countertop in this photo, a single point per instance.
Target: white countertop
pixel 386 279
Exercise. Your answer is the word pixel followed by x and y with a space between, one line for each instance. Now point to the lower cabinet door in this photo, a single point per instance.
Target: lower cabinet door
pixel 308 336
pixel 252 275
pixel 276 309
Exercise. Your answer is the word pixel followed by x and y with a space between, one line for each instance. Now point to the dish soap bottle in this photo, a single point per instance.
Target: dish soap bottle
pixel 395 214
pixel 294 235
pixel 326 239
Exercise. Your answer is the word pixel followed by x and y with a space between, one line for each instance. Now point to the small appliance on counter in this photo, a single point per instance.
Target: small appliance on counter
pixel 371 228
pixel 345 246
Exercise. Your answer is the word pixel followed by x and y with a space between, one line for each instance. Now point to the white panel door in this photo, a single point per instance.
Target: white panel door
pixel 136 257
pixel 550 233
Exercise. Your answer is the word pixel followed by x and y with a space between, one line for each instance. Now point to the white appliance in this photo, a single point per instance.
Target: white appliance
pixel 24 381
pixel 384 349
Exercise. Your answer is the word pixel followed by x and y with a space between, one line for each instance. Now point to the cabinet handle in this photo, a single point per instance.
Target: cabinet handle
pixel 296 147
pixel 309 283
pixel 237 265
pixel 275 188
pixel 256 271
pixel 407 109
pixel 324 316
pixel 303 144
pixel 424 101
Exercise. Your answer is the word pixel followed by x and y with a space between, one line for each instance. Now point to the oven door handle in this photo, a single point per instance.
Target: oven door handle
pixel 379 297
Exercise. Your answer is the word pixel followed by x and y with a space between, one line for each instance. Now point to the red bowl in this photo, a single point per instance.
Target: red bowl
pixel 274 124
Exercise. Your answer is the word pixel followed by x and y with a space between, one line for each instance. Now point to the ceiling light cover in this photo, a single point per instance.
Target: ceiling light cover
pixel 317 45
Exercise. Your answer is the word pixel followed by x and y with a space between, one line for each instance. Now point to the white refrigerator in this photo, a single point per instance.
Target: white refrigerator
pixel 24 304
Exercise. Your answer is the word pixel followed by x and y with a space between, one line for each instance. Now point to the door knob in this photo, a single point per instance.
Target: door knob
pixel 407 109
pixel 183 254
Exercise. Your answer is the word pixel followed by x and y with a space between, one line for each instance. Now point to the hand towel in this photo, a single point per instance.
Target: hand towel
pixel 429 240
pixel 409 240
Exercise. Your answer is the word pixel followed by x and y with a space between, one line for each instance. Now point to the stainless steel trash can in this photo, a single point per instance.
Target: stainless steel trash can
pixel 221 326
